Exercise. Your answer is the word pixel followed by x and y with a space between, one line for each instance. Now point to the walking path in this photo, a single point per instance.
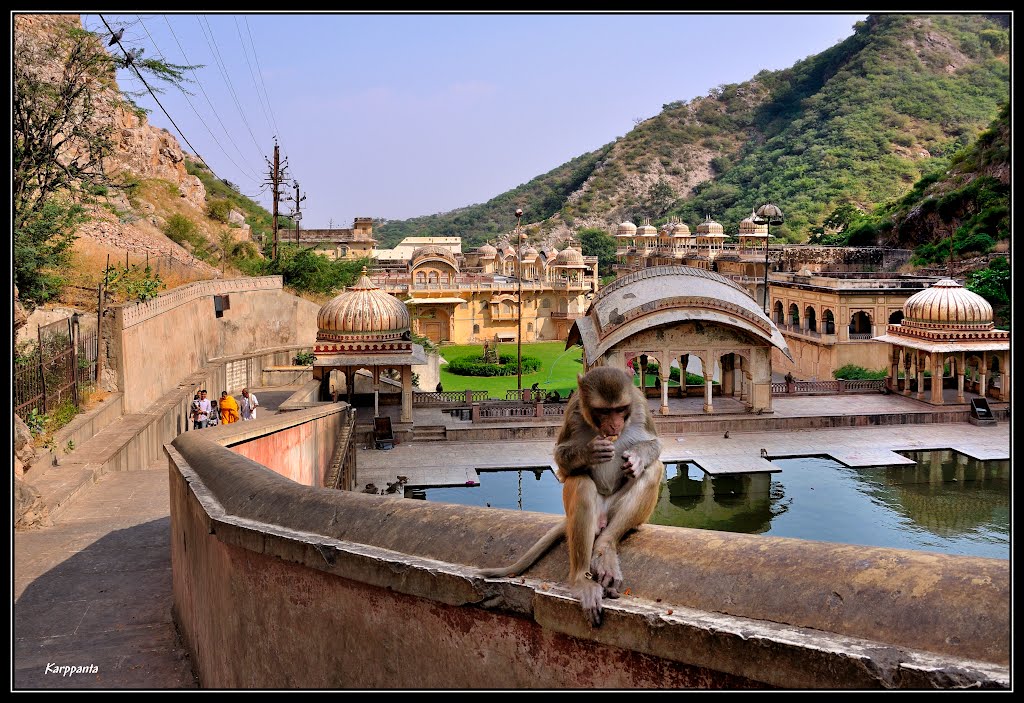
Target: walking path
pixel 94 589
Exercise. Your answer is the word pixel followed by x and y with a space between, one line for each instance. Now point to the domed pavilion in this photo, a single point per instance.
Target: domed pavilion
pixel 366 328
pixel 669 313
pixel 948 324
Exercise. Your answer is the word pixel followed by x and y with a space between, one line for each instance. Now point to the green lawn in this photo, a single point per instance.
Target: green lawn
pixel 558 369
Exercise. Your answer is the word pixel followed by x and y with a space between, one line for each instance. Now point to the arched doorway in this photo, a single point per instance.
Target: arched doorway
pixel 830 322
pixel 812 323
pixel 794 315
pixel 780 318
pixel 860 325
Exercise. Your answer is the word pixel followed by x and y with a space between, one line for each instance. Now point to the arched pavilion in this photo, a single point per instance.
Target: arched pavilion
pixel 667 313
pixel 947 324
pixel 366 328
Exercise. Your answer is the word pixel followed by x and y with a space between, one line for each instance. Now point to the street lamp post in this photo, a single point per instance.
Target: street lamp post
pixel 768 215
pixel 519 297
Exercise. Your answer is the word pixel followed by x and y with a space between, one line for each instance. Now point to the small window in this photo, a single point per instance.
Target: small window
pixel 476 329
pixel 220 304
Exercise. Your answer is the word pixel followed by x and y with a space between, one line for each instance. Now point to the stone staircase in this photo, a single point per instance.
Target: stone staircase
pixel 429 433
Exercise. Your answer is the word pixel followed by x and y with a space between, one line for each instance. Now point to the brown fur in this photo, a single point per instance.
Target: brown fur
pixel 609 487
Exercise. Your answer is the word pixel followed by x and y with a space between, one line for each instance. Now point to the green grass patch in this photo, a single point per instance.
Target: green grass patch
pixel 558 369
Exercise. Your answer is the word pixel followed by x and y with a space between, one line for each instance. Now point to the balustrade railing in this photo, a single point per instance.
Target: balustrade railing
pixel 828 387
pixel 425 398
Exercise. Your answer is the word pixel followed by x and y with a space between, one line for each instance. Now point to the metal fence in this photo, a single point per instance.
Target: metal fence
pixel 54 372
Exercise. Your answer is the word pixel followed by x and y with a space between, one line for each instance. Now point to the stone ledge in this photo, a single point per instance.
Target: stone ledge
pixel 786 612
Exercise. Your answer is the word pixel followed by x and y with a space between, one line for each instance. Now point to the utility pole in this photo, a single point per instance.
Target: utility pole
pixel 277 171
pixel 298 212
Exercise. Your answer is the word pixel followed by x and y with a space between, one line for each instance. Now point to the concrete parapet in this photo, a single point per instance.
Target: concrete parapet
pixel 282 585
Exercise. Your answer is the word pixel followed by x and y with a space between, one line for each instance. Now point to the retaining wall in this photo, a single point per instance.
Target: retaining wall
pixel 279 585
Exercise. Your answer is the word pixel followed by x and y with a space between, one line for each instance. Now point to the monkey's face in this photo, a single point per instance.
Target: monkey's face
pixel 610 421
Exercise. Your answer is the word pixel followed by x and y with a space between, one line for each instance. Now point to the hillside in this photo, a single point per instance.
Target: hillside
pixel 148 189
pixel 857 124
pixel 970 199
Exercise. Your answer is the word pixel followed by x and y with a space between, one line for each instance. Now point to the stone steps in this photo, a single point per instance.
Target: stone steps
pixel 430 434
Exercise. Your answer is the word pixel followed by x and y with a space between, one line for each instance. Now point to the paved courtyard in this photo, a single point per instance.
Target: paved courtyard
pixel 94 589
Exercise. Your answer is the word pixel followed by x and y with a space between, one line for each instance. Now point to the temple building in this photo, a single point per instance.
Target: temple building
pixel 669 313
pixel 354 243
pixel 473 297
pixel 364 328
pixel 947 330
pixel 831 319
pixel 828 317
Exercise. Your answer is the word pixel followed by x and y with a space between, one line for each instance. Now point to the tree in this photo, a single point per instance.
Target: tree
pixel 597 242
pixel 60 140
pixel 58 145
pixel 992 283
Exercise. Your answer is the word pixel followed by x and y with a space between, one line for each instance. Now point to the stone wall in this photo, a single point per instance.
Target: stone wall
pixel 819 258
pixel 155 344
pixel 278 585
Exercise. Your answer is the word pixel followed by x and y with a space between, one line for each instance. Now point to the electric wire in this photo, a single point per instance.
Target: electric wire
pixel 153 93
pixel 245 171
pixel 226 76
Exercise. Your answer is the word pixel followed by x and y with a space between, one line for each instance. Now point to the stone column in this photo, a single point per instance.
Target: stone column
pixel 907 358
pixel 983 376
pixel 894 371
pixel 643 374
pixel 960 361
pixel 664 371
pixel 761 379
pixel 728 374
pixel 1005 390
pixel 937 367
pixel 919 364
pixel 376 391
pixel 406 394
pixel 707 393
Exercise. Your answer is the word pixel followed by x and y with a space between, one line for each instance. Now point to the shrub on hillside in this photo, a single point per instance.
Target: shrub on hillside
pixel 219 209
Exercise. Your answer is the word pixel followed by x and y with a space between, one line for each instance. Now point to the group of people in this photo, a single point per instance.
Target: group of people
pixel 206 412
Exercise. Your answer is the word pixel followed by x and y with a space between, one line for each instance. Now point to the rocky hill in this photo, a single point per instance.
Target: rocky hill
pixel 857 124
pixel 149 183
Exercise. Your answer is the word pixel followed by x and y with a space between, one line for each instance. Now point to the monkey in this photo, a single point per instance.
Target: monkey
pixel 607 453
pixel 764 453
pixel 726 435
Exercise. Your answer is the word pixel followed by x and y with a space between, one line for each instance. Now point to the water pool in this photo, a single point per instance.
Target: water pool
pixel 944 502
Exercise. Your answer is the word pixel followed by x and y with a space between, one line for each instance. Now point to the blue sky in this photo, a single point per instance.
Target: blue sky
pixel 397 115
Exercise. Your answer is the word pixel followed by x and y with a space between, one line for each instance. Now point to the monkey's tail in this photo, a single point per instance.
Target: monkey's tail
pixel 536 551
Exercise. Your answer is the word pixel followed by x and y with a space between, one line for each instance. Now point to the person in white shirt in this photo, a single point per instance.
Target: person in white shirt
pixel 201 411
pixel 248 405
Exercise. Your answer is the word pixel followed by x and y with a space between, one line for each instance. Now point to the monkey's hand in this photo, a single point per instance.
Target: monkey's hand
pixel 632 465
pixel 639 457
pixel 601 449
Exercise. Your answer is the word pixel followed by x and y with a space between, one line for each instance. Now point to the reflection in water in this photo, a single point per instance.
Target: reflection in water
pixel 945 502
pixel 745 503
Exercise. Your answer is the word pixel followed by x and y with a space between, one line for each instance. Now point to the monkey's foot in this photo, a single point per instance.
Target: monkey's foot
pixel 605 568
pixel 589 594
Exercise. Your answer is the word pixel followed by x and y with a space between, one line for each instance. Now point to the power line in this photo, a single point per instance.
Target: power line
pixel 259 72
pixel 227 78
pixel 151 92
pixel 245 53
pixel 251 174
